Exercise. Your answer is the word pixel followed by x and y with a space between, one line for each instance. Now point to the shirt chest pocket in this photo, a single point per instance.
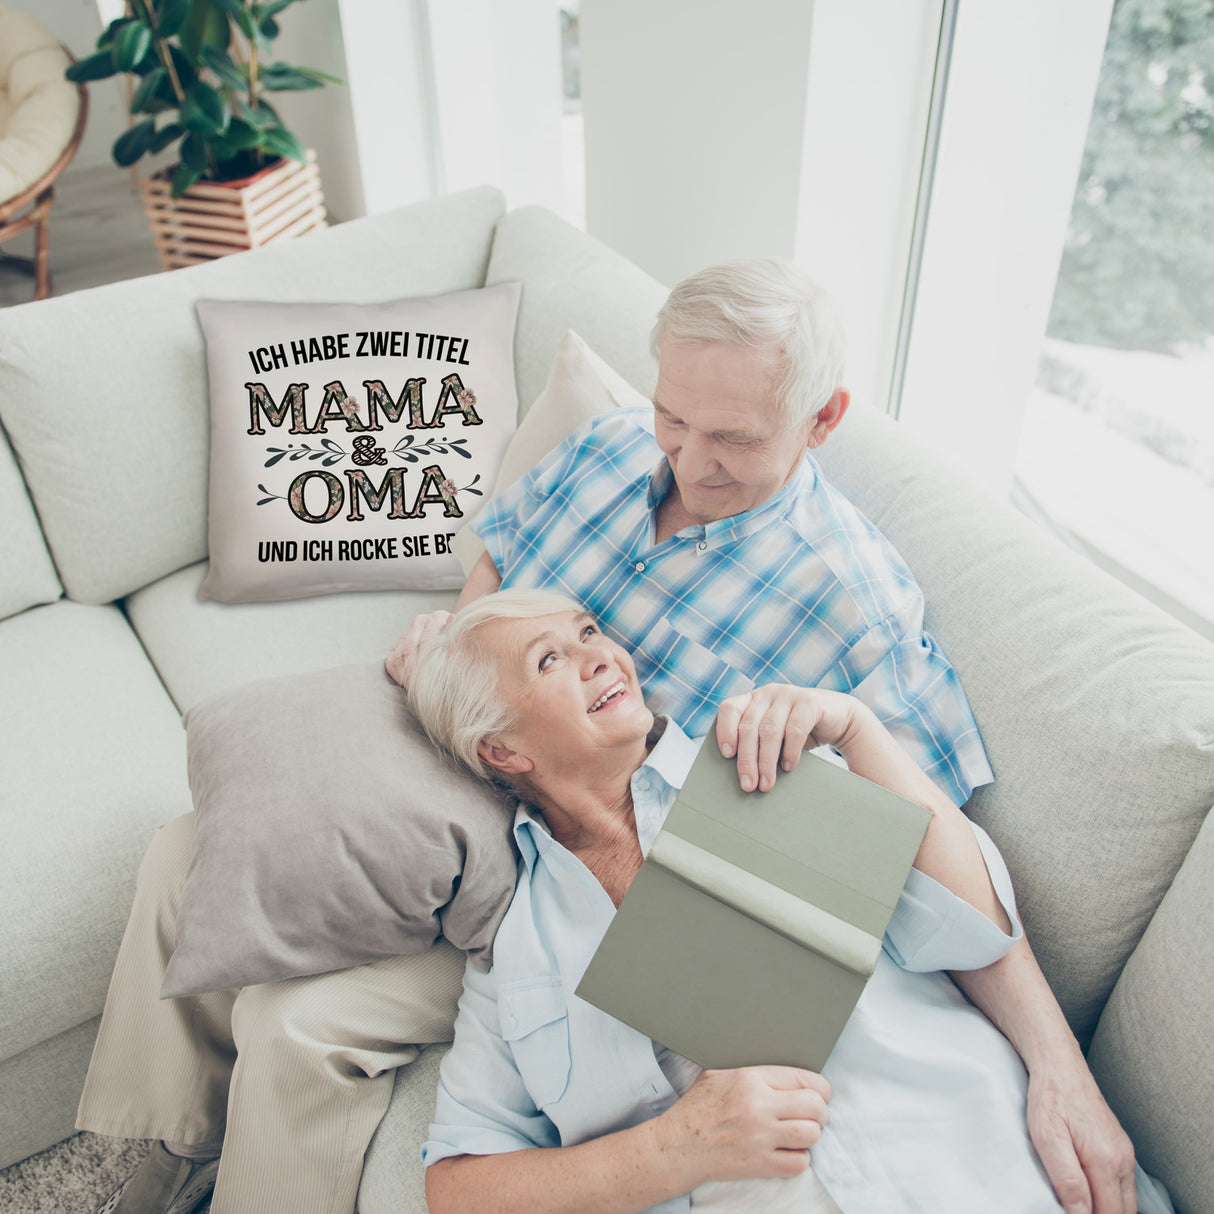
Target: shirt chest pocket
pixel 535 1024
pixel 681 671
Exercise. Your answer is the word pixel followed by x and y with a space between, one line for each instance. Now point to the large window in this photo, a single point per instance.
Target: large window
pixel 1117 444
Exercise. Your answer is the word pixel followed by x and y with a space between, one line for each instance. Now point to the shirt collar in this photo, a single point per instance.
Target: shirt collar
pixel 737 526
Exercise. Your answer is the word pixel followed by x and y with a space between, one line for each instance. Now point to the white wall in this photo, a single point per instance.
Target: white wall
pixel 497 72
pixel 387 57
pixel 694 124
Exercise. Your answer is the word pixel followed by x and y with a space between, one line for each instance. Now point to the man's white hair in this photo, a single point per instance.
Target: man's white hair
pixel 455 692
pixel 763 303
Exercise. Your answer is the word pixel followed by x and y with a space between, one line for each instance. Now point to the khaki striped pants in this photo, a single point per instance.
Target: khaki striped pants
pixel 293 1076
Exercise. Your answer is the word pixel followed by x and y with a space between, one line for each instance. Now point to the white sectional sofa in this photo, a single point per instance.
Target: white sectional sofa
pixel 1097 711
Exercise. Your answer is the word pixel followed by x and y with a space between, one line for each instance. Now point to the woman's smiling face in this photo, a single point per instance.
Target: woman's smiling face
pixel 572 691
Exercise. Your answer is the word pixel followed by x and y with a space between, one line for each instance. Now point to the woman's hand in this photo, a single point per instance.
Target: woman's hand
pixel 402 660
pixel 750 1122
pixel 770 727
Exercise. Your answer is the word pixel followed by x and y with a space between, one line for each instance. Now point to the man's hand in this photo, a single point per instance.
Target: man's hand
pixel 750 1122
pixel 1087 1155
pixel 401 660
pixel 769 727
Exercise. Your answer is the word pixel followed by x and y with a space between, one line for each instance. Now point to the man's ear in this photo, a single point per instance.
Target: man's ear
pixel 495 754
pixel 829 416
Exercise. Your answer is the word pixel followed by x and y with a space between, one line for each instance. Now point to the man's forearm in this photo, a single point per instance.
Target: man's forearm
pixel 484 579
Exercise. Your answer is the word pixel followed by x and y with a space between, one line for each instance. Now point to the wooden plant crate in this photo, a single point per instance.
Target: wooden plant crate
pixel 215 218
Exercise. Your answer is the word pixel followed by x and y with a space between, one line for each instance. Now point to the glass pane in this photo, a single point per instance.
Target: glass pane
pixel 1118 442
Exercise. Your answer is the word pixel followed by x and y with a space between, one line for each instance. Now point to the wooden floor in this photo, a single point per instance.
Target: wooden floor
pixel 98 234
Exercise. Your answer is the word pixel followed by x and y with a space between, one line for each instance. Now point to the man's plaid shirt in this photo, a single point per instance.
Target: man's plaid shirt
pixel 802 589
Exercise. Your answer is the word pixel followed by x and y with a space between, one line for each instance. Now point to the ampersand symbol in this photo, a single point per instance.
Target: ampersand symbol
pixel 366 452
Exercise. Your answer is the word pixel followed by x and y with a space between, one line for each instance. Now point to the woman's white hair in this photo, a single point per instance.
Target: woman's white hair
pixel 454 691
pixel 763 303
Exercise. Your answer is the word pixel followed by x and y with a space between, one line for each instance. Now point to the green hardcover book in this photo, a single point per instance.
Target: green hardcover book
pixel 757 918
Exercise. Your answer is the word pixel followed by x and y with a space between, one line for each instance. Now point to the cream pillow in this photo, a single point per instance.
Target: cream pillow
pixel 580 386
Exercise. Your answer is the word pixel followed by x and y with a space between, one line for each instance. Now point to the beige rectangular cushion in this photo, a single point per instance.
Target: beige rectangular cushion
pixel 103 392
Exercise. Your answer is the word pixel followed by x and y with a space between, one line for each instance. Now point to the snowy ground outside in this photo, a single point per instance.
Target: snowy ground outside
pixel 1092 459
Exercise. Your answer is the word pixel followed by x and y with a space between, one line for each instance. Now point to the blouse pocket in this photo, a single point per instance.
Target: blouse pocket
pixel 535 1023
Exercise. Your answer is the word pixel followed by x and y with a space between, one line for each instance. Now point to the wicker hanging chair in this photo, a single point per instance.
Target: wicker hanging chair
pixel 42 118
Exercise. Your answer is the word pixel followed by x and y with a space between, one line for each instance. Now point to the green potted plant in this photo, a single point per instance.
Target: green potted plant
pixel 201 71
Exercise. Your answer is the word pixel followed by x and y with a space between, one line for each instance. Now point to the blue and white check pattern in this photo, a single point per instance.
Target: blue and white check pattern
pixel 802 590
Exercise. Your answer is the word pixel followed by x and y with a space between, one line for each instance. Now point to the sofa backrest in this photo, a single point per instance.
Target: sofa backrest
pixel 571 281
pixel 1097 712
pixel 1095 708
pixel 27 575
pixel 104 393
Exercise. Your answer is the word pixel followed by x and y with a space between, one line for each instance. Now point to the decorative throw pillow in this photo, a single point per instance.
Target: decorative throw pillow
pixel 329 832
pixel 350 442
pixel 580 386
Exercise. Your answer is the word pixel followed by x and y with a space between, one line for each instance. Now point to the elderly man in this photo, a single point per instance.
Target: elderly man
pixel 704 538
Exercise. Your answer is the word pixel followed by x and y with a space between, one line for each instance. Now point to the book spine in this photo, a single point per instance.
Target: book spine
pixel 802 922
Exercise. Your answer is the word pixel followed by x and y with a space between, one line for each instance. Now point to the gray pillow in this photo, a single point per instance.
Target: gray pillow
pixel 330 833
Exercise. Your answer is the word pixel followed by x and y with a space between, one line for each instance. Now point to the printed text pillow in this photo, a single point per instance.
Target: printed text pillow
pixel 350 442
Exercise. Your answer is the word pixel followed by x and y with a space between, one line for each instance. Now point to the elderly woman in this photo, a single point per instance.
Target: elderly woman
pixel 547 1103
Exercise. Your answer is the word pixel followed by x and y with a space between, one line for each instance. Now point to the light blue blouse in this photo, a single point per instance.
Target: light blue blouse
pixel 928 1104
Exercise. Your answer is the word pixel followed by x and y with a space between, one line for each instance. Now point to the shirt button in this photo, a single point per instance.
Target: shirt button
pixel 702 545
pixel 639 566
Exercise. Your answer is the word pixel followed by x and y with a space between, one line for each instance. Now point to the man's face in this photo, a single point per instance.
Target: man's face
pixel 717 421
pixel 573 691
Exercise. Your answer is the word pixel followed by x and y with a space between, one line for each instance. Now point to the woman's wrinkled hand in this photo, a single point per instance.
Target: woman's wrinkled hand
pixel 768 728
pixel 401 661
pixel 756 1121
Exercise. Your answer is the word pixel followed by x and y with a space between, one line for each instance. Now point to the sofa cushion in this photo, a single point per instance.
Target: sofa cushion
pixel 330 833
pixel 1152 1054
pixel 572 281
pixel 1097 710
pixel 200 648
pixel 40 1090
pixel 27 575
pixel 93 760
pixel 393 1179
pixel 119 476
pixel 350 441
